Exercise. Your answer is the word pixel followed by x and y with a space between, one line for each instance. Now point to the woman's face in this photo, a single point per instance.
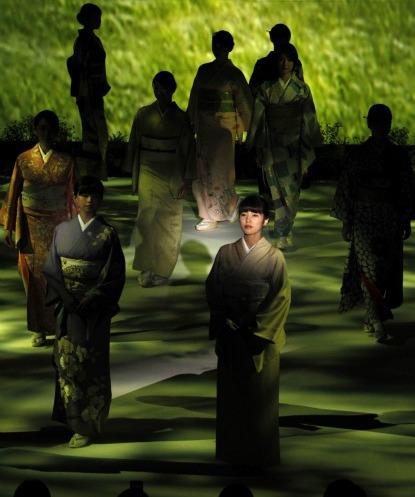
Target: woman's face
pixel 252 222
pixel 45 132
pixel 285 65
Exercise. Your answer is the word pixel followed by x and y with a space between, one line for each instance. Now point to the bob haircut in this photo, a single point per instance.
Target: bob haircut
pixel 87 11
pixel 166 80
pixel 254 203
pixel 289 51
pixel 88 185
pixel 224 39
pixel 49 116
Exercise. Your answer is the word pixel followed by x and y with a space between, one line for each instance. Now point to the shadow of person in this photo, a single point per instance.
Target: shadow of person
pixel 30 488
pixel 343 488
pixel 236 490
pixel 196 259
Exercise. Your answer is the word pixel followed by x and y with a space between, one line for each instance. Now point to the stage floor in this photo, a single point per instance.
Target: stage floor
pixel 347 404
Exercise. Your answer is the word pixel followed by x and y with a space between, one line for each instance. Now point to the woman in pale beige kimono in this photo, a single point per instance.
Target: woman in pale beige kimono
pixel 284 131
pixel 38 199
pixel 220 111
pixel 249 297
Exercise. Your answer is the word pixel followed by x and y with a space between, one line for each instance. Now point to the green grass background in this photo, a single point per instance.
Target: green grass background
pixel 354 52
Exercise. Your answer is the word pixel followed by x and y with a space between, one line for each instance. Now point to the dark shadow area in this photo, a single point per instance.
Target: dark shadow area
pixel 314 422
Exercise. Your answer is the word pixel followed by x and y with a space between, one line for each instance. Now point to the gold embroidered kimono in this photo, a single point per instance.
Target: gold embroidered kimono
pixel 285 131
pixel 249 298
pixel 220 111
pixel 39 197
pixel 160 157
pixel 82 265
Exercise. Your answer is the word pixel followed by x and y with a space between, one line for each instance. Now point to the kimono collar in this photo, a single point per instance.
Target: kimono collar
pixel 45 156
pixel 170 107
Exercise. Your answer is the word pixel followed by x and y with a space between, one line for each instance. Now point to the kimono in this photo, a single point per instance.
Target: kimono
pixel 284 131
pixel 89 85
pixel 160 157
pixel 84 265
pixel 220 111
pixel 373 198
pixel 249 298
pixel 38 199
pixel 266 69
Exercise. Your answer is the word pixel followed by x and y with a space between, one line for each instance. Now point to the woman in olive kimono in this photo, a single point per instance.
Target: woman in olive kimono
pixel 160 157
pixel 85 272
pixel 220 111
pixel 374 201
pixel 284 130
pixel 38 199
pixel 248 294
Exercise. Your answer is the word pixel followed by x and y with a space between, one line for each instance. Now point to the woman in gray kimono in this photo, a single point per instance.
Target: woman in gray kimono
pixel 284 130
pixel 248 294
pixel 85 273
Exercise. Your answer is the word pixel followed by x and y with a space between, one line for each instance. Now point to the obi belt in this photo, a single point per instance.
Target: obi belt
pixel 158 153
pixel 215 101
pixel 285 122
pixel 41 197
pixel 79 275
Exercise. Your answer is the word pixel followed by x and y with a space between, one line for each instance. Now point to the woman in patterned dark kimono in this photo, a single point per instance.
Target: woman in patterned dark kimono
pixel 85 272
pixel 38 199
pixel 373 199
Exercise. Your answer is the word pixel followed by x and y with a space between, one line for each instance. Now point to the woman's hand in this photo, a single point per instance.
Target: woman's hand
pixel 8 239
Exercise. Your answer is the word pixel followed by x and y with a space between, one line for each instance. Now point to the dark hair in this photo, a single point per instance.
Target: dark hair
pixel 224 39
pixel 289 50
pixel 236 490
pixel 344 488
pixel 280 33
pixel 32 487
pixel 379 114
pixel 49 116
pixel 166 80
pixel 88 184
pixel 86 12
pixel 254 203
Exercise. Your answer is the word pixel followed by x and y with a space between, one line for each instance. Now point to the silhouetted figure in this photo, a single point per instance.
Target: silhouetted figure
pixel 161 159
pixel 135 490
pixel 38 199
pixel 248 293
pixel 32 488
pixel 220 111
pixel 284 131
pixel 85 272
pixel 266 69
pixel 374 201
pixel 236 490
pixel 89 85
pixel 343 488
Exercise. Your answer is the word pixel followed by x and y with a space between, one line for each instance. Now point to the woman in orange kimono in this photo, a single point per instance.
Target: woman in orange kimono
pixel 38 199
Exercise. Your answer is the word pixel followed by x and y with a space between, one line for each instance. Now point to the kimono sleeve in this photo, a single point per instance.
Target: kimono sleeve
pixel 187 151
pixel 215 297
pixel 311 129
pixel 343 201
pixel 193 98
pixel 9 210
pixel 272 314
pixel 110 284
pixel 243 100
pixel 406 186
pixel 132 160
pixel 257 128
pixel 55 288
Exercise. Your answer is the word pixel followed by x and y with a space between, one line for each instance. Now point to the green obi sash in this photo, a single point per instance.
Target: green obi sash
pixel 79 275
pixel 215 101
pixel 285 121
pixel 49 198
